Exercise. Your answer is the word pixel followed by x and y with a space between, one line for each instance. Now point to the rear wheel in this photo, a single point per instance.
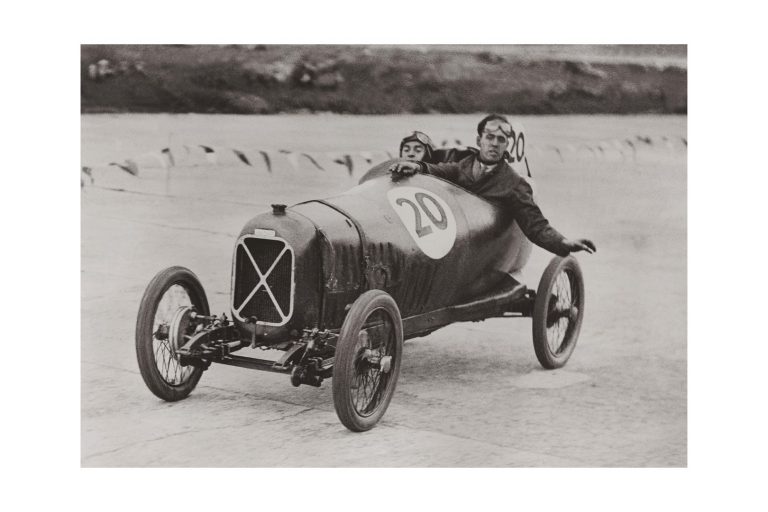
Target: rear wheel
pixel 163 325
pixel 367 361
pixel 558 311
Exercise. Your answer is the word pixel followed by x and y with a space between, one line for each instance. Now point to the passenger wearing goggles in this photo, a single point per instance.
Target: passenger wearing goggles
pixel 485 173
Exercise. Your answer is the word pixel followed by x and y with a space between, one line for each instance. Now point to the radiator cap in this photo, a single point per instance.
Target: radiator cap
pixel 278 209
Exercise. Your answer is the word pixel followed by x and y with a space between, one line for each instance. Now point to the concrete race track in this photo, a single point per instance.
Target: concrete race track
pixel 469 395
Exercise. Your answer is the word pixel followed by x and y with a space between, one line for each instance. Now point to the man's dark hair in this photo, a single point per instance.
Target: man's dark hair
pixel 491 117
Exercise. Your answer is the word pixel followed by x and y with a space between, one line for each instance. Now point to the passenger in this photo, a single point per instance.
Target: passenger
pixel 485 173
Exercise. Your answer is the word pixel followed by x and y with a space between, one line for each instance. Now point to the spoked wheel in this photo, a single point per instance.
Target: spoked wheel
pixel 558 311
pixel 163 325
pixel 367 360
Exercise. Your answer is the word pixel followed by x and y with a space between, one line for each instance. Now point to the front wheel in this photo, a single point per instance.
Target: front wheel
pixel 162 326
pixel 558 311
pixel 367 361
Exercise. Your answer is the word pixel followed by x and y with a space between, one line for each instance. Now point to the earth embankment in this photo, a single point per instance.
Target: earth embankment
pixel 264 79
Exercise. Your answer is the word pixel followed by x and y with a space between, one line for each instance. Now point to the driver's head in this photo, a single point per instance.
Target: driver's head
pixel 493 136
pixel 417 146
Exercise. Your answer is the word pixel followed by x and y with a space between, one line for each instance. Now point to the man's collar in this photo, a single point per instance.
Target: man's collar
pixel 489 167
pixel 480 170
pixel 480 159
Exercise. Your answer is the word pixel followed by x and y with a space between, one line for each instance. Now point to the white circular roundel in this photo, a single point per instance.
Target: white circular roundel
pixel 427 218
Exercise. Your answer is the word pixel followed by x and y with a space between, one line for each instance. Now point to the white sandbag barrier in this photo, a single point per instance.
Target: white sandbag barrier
pixel 619 150
pixel 157 171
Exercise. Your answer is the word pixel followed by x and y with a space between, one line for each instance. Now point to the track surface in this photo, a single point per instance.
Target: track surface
pixel 469 395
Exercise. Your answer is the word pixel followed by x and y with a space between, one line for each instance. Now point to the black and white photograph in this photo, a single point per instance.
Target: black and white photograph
pixel 384 255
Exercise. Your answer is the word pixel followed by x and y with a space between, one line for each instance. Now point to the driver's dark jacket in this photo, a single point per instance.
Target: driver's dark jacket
pixel 503 187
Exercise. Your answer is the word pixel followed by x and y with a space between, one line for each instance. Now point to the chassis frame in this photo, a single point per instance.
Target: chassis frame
pixel 310 358
pixel 177 342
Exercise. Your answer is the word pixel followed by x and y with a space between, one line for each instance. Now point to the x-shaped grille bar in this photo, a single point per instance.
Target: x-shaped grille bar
pixel 263 281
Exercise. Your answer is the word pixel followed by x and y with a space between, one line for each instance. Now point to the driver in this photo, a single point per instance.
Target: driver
pixel 420 148
pixel 417 147
pixel 487 174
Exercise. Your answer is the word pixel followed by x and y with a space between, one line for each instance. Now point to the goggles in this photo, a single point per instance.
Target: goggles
pixel 420 137
pixel 498 125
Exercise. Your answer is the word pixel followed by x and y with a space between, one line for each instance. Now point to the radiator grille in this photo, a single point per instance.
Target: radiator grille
pixel 263 280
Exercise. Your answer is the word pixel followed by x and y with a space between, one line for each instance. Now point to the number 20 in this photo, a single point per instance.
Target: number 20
pixel 422 230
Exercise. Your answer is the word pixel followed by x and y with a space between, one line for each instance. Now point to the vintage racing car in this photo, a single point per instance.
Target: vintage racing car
pixel 338 284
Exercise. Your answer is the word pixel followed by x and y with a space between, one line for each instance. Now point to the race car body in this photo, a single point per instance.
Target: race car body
pixel 426 242
pixel 338 284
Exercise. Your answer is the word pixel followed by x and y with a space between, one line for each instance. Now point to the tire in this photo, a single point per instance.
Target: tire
pixel 558 311
pixel 169 291
pixel 362 390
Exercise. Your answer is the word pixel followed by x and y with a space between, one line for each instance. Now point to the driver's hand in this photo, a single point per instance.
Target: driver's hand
pixel 582 244
pixel 402 169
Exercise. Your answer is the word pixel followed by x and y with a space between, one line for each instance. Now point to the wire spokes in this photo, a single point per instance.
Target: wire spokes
pixel 562 311
pixel 375 342
pixel 166 360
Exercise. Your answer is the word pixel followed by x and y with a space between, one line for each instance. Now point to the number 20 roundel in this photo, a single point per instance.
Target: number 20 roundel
pixel 427 218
